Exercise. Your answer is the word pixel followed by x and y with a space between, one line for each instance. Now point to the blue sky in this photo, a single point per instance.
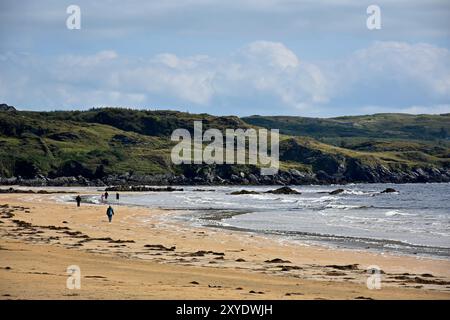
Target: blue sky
pixel 286 57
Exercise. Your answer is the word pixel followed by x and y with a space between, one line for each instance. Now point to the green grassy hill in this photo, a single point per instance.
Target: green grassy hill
pixel 378 126
pixel 102 142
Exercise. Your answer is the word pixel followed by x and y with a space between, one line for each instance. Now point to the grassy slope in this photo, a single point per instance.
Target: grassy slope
pixel 377 126
pixel 50 143
pixel 122 140
pixel 389 138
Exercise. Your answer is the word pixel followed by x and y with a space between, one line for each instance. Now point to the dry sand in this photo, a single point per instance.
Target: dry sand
pixel 144 254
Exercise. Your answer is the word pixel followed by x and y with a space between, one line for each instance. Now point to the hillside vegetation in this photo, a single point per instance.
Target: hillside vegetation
pixel 110 144
pixel 377 126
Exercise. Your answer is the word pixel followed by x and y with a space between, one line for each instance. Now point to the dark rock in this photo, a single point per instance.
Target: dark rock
pixel 64 136
pixel 427 275
pixel 283 190
pixel 234 193
pixel 73 173
pixel 389 190
pixel 74 168
pixel 12 190
pixel 202 253
pixel 235 178
pixel 253 179
pixel 25 168
pixel 142 189
pixel 5 107
pixel 159 247
pixel 335 273
pixel 324 177
pixel 289 268
pixel 337 191
pixel 277 260
pixel 344 267
pixel 124 139
pixel 122 241
pixel 429 281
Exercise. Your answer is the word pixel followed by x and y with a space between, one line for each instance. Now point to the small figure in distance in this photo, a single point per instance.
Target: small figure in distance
pixel 78 199
pixel 110 213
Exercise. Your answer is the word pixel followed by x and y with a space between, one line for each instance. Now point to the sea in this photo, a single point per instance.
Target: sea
pixel 414 220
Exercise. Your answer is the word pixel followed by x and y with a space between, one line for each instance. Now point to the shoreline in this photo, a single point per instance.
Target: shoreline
pixel 72 182
pixel 59 228
pixel 56 191
pixel 329 245
pixel 201 217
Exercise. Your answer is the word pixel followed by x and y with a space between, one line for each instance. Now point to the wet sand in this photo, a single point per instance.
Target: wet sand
pixel 144 254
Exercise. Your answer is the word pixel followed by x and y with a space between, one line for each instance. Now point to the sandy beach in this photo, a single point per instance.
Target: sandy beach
pixel 144 254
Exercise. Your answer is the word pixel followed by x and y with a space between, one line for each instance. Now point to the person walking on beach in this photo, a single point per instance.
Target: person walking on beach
pixel 117 197
pixel 102 198
pixel 106 195
pixel 110 213
pixel 78 199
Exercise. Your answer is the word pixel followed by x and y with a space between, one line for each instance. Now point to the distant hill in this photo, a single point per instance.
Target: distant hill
pixel 377 126
pixel 151 123
pixel 117 146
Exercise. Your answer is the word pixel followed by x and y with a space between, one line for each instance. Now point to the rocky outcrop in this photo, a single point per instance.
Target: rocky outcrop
pixel 353 172
pixel 5 107
pixel 240 192
pixel 142 189
pixel 283 190
pixel 389 190
pixel 337 191
pixel 12 190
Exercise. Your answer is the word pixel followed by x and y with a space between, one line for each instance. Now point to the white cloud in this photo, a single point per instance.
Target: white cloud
pixel 399 61
pixel 273 54
pixel 262 74
pixel 395 75
pixel 89 60
pixel 270 69
pixel 261 68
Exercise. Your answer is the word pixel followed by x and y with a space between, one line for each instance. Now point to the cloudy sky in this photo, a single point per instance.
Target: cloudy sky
pixel 244 57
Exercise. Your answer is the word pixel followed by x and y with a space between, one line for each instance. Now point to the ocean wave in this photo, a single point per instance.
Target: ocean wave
pixel 358 192
pixel 373 242
pixel 345 206
pixel 393 213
